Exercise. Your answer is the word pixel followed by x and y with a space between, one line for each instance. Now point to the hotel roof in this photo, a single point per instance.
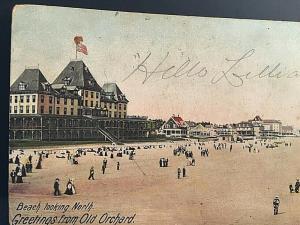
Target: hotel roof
pixel 31 80
pixel 113 92
pixel 76 73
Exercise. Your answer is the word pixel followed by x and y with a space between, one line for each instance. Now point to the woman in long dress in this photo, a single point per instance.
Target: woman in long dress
pixel 69 188
pixel 73 186
pixel 19 177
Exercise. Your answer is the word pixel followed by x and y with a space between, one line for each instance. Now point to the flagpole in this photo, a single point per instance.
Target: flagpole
pixel 76 50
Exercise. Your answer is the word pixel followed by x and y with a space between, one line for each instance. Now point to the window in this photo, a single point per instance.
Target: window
pixel 21 109
pixel 10 99
pixel 16 99
pixel 15 109
pixel 65 111
pixel 97 95
pixel 27 108
pixel 97 104
pixel 50 99
pixel 120 106
pixel 57 110
pixel 58 100
pixel 72 101
pixel 42 109
pixel 21 98
pixel 115 106
pixel 86 94
pixel 72 111
pixel 109 114
pixel 33 109
pixel 92 104
pixel 22 86
pixel 27 98
pixel 33 98
pixel 120 115
pixel 42 98
pixel 124 114
pixel 50 109
pixel 67 80
pixel 65 101
pixel 124 107
pixel 109 105
pixel 92 94
pixel 86 103
pixel 115 114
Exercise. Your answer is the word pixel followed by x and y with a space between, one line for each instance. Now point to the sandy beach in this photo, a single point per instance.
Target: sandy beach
pixel 226 188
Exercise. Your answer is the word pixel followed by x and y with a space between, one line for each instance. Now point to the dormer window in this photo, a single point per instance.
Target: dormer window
pixel 91 82
pixel 22 86
pixel 67 80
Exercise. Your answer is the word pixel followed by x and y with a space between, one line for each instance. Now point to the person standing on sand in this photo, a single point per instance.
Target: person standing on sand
pixel 297 186
pixel 183 172
pixel 13 176
pixel 17 160
pixel 56 187
pixel 118 165
pixel 19 177
pixel 92 171
pixel 178 173
pixel 276 203
pixel 69 188
pixel 103 169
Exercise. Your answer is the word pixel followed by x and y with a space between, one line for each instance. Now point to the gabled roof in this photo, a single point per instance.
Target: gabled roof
pixel 113 92
pixel 179 121
pixel 78 74
pixel 33 81
pixel 257 118
pixel 198 127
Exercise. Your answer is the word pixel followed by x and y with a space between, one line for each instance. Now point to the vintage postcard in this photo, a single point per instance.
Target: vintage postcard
pixel 133 118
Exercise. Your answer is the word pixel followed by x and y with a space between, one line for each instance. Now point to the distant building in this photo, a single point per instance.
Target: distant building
pixel 271 128
pixel 288 131
pixel 175 126
pixel 226 132
pixel 202 131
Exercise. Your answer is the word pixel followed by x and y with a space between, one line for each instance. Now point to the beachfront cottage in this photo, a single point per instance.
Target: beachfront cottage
pixel 203 131
pixel 174 127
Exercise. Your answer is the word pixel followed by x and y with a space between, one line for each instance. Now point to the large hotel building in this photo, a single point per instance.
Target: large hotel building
pixel 73 107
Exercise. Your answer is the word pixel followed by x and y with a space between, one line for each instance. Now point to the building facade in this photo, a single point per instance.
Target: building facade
pixel 73 107
pixel 174 127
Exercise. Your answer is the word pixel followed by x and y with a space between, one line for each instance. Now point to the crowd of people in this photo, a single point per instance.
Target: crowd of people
pixel 112 153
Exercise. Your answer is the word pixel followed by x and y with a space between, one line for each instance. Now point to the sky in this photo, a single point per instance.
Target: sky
pixel 194 67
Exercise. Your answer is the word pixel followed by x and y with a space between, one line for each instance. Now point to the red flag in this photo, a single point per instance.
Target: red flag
pixel 79 46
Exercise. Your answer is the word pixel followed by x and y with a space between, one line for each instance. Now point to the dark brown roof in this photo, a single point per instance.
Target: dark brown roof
pixel 79 75
pixel 33 81
pixel 113 93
